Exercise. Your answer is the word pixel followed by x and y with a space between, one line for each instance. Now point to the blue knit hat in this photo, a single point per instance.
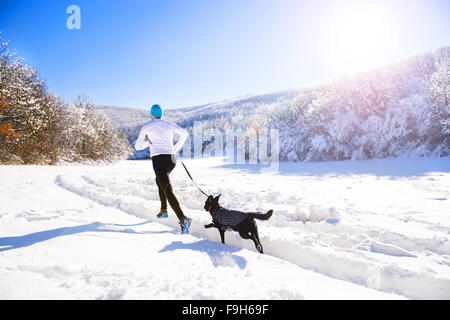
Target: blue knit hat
pixel 156 111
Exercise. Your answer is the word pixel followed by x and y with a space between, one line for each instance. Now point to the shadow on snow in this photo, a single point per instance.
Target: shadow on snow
pixel 9 243
pixel 220 254
pixel 390 167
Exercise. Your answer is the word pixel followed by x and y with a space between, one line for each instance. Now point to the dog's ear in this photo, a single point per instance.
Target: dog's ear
pixel 216 199
pixel 210 197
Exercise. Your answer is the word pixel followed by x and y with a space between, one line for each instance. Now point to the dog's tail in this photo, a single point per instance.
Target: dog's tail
pixel 262 216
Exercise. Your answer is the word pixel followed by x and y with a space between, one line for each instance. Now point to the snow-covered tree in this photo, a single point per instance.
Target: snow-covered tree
pixel 37 126
pixel 440 106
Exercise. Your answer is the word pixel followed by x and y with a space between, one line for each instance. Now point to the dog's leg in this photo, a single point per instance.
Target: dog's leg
pixel 255 236
pixel 244 233
pixel 258 245
pixel 222 235
pixel 250 235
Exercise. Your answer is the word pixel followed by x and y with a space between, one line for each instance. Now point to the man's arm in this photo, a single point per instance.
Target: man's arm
pixel 183 136
pixel 142 141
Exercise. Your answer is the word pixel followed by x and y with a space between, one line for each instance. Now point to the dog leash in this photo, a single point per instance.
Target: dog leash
pixel 187 171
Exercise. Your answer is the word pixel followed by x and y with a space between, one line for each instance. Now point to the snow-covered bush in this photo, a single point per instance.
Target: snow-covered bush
pixel 88 135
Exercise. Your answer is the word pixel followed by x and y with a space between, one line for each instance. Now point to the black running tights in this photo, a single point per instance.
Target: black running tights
pixel 163 165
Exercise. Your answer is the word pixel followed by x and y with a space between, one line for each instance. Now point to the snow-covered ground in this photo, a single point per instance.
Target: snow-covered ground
pixel 376 229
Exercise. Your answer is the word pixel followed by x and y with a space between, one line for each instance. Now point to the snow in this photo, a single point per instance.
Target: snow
pixel 368 229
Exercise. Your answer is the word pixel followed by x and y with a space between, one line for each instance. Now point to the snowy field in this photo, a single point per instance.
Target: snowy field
pixel 375 229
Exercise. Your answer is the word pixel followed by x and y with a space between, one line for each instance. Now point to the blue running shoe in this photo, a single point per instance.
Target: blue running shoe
pixel 186 225
pixel 162 214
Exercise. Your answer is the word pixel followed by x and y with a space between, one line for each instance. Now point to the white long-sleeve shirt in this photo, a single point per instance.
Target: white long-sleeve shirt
pixel 159 135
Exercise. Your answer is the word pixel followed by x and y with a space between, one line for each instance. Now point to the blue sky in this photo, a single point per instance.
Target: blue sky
pixel 182 53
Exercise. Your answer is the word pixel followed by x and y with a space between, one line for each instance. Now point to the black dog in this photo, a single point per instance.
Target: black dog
pixel 242 222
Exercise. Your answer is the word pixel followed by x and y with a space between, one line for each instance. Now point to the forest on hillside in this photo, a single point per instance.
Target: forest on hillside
pixel 402 110
pixel 397 111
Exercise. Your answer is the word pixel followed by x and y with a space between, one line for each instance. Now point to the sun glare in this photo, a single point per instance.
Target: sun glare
pixel 361 38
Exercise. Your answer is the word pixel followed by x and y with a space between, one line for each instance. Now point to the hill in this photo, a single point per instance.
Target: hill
pixel 129 118
pixel 394 111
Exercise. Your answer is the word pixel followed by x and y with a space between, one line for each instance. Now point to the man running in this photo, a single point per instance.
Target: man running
pixel 158 135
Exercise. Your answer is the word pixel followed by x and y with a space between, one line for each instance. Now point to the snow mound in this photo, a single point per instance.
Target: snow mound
pixel 317 213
